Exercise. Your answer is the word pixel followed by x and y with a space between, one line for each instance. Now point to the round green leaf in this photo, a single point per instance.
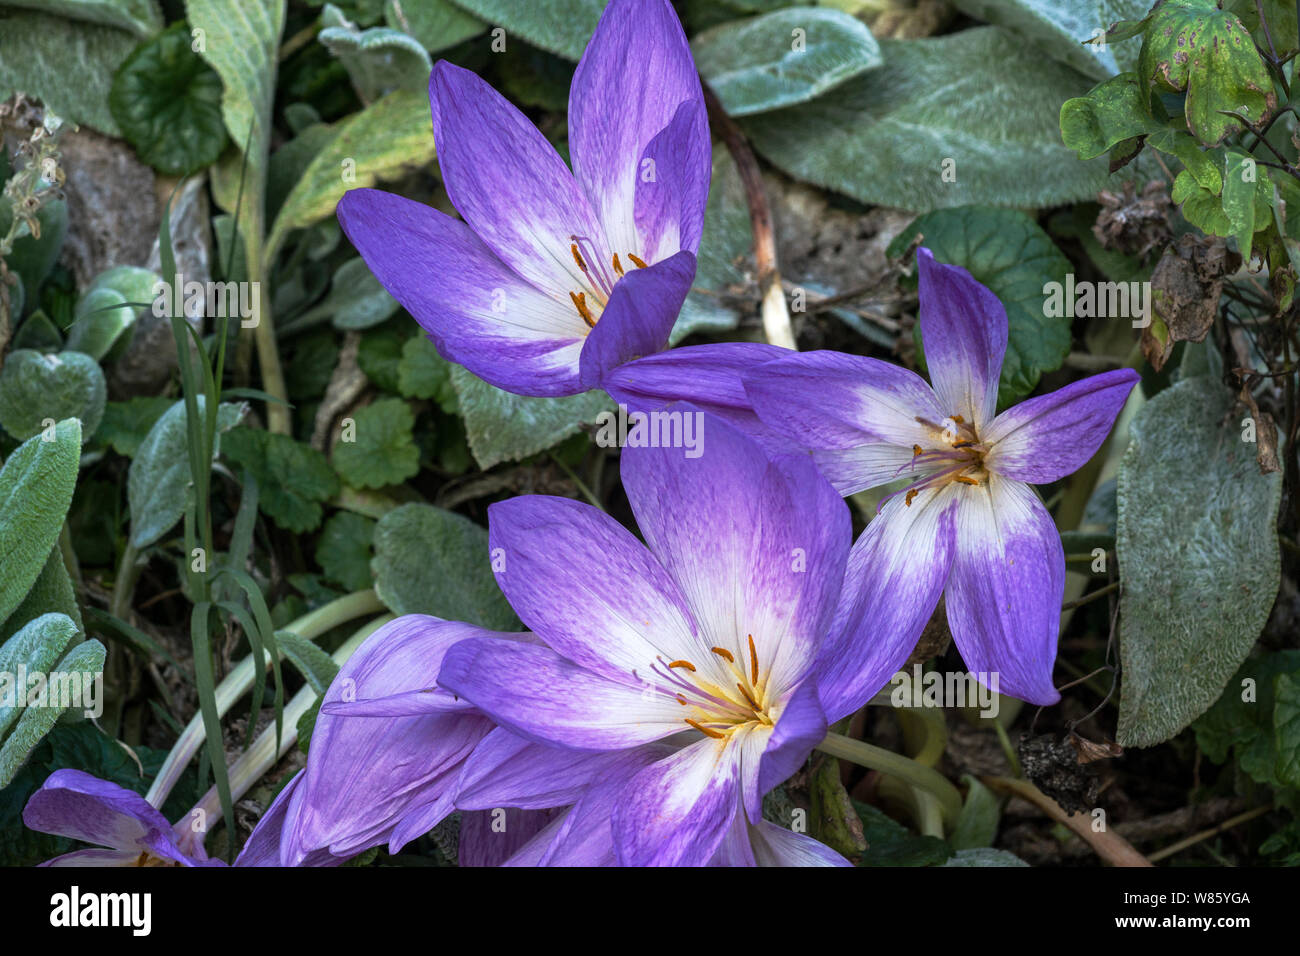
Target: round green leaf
pixel 382 450
pixel 167 101
pixel 36 390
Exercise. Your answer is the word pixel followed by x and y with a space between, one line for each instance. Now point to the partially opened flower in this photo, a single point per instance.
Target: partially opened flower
pixel 968 524
pixel 125 829
pixel 721 632
pixel 555 276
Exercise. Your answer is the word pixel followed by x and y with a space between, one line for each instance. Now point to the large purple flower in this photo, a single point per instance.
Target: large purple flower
pixel 125 829
pixel 555 277
pixel 720 634
pixel 968 525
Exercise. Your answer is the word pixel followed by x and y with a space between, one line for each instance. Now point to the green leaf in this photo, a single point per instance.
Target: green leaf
pixel 378 60
pixel 35 648
pixel 505 427
pixel 125 424
pixel 51 593
pixel 1244 717
pixel 1108 114
pixel 293 478
pixel 37 332
pixel 36 486
pixel 884 137
pixel 978 823
pixel 40 645
pixel 1247 199
pixel 37 390
pixel 94 330
pixel 1010 253
pixel 383 452
pixel 436 24
pixel 160 473
pixel 423 373
pixel 1058 28
pixel 783 58
pixel 383 141
pixel 1193 46
pixel 316 667
pixel 380 355
pixel 68 65
pixel 1200 206
pixel 891 844
pixel 167 101
pixel 1198 554
pixel 356 300
pixel 562 27
pixel 1286 728
pixel 431 561
pixel 141 17
pixel 33 258
pixel 343 550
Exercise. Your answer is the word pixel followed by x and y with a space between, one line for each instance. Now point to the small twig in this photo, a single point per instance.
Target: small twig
pixel 775 312
pixel 1089 598
pixel 1196 838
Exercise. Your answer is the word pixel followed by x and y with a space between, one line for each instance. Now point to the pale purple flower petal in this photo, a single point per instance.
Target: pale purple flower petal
pixel 638 317
pixel 672 186
pixel 777 846
pixel 632 80
pixel 263 845
pixel 491 837
pixel 507 181
pixel 800 726
pixel 1004 597
pixel 964 330
pixel 1048 437
pixel 478 312
pixel 509 770
pixel 95 858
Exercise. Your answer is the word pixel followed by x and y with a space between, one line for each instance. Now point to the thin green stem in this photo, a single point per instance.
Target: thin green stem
pixel 886 761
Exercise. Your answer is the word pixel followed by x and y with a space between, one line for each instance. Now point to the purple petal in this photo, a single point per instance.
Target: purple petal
pixel 542 696
pixel 477 311
pixel 777 846
pixel 586 586
pixel 490 837
pixel 851 470
pixel 1050 436
pixel 964 330
pixel 263 846
pixel 633 78
pixel 509 770
pixel 74 804
pixel 365 774
pixel 95 858
pixel 640 314
pixel 757 547
pixel 671 193
pixel 508 182
pixel 800 726
pixel 707 376
pixel 1004 597
pixel 677 811
pixel 896 572
pixel 832 400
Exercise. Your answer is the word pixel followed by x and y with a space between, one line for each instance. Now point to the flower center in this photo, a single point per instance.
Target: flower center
pixel 718 710
pixel 600 280
pixel 957 451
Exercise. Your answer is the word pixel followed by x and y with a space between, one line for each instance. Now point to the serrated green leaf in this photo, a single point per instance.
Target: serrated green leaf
pixel 293 478
pixel 1244 717
pixel 379 60
pixel 983 856
pixel 36 51
pixel 884 137
pixel 36 390
pixel 1010 253
pixel 380 355
pixel 1286 728
pixel 125 424
pixel 505 427
pixel 423 373
pixel 36 486
pixel 167 102
pixel 383 452
pixel 1194 46
pixel 316 667
pixel 384 140
pixel 431 561
pixel 343 550
pixel 1198 555
pixel 160 472
pixel 783 58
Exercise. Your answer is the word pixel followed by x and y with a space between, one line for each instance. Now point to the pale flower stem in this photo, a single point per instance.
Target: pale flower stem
pixel 886 761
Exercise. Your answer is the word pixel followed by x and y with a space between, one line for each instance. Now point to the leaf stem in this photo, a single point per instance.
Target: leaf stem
pixel 886 761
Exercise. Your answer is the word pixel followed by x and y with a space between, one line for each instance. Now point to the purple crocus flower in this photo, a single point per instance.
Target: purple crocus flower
pixel 126 829
pixel 968 525
pixel 555 277
pixel 722 635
